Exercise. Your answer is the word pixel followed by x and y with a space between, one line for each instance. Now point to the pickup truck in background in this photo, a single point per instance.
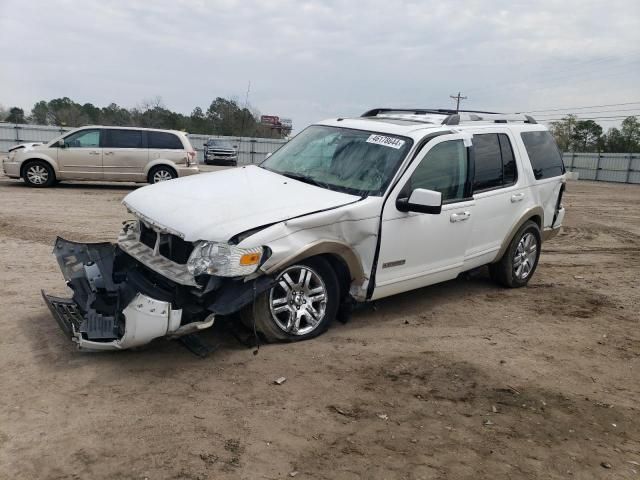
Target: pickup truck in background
pixel 217 153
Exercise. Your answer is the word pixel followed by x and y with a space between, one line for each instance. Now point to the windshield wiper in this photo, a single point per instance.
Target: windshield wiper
pixel 306 179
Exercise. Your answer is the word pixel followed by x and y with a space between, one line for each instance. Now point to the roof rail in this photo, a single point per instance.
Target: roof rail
pixel 454 117
pixel 457 119
pixel 419 111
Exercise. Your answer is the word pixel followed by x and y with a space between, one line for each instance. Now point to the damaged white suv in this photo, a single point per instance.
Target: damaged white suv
pixel 351 209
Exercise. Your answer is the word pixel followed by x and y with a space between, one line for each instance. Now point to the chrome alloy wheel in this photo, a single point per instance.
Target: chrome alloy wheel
pixel 525 256
pixel 162 176
pixel 298 301
pixel 37 174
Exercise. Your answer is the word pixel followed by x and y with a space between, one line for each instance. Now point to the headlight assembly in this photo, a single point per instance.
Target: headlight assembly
pixel 223 260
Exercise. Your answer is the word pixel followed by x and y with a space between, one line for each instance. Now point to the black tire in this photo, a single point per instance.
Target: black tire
pixel 510 273
pixel 161 173
pixel 271 326
pixel 38 174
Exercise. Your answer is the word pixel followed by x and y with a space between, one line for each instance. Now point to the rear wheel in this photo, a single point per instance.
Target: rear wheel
pixel 301 305
pixel 39 174
pixel 161 174
pixel 519 262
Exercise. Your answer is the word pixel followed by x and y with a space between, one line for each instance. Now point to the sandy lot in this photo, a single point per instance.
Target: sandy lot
pixel 462 380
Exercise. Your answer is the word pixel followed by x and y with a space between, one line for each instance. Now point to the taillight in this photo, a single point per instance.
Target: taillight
pixel 191 157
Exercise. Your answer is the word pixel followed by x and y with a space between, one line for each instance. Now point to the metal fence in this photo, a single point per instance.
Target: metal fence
pixel 250 150
pixel 604 167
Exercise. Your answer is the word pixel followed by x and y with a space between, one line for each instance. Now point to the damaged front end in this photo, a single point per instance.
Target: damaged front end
pixel 119 302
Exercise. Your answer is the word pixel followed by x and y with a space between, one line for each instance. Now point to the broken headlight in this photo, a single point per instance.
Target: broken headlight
pixel 223 260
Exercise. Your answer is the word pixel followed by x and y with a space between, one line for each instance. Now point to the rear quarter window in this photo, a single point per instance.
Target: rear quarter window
pixel 544 154
pixel 165 141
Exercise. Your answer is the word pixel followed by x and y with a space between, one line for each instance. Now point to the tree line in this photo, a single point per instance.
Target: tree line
pixel 222 117
pixel 574 135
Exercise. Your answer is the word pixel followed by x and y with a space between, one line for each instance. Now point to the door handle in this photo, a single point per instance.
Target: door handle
pixel 108 153
pixel 517 197
pixel 460 217
pixel 94 152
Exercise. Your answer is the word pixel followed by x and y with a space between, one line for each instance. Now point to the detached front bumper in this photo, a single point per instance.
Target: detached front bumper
pixel 119 302
pixel 107 310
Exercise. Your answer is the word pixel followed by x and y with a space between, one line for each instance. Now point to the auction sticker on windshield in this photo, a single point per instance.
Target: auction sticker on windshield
pixel 386 141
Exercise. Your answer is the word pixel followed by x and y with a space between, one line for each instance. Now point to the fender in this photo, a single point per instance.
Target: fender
pixel 159 161
pixel 34 155
pixel 332 247
pixel 527 215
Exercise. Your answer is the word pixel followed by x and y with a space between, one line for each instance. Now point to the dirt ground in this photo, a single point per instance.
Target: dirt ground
pixel 462 380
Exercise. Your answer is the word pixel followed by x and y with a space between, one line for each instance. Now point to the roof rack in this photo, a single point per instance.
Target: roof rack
pixel 417 111
pixel 452 117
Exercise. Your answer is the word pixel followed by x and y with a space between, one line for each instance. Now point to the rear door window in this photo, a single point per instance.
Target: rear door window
pixel 509 170
pixel 544 154
pixel 117 138
pixel 164 141
pixel 488 162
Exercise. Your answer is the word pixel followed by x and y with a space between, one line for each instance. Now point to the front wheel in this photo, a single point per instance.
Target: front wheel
pixel 301 305
pixel 39 174
pixel 519 262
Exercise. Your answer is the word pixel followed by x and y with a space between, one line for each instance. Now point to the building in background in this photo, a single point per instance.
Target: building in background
pixel 280 125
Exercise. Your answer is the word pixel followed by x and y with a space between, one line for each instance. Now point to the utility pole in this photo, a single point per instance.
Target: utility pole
pixel 457 98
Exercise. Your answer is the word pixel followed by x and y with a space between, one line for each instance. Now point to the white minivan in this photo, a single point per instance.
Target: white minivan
pixel 113 154
pixel 350 210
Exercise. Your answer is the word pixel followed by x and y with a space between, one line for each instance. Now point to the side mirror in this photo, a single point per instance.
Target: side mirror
pixel 421 200
pixel 61 143
pixel 268 155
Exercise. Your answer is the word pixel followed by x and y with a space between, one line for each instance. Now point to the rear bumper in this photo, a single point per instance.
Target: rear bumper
pixel 186 171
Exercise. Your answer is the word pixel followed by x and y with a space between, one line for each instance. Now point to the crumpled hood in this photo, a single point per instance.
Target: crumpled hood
pixel 218 205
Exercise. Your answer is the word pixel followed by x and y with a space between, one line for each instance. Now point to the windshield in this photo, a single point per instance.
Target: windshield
pixel 351 161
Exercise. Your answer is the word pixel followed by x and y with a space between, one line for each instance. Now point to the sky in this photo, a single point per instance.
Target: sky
pixel 311 60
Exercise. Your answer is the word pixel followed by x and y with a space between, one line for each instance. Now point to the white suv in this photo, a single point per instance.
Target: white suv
pixel 114 154
pixel 351 209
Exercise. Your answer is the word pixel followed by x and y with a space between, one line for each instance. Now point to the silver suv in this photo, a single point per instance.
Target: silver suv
pixel 114 154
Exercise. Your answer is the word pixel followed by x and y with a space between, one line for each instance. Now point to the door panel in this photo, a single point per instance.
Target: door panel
pixel 500 206
pixel 125 155
pixel 81 157
pixel 421 249
pixel 496 212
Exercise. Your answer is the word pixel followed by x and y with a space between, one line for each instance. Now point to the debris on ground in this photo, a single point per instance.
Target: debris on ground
pixel 280 380
pixel 605 465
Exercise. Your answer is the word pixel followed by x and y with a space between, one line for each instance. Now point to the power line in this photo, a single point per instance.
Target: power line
pixel 580 108
pixel 617 117
pixel 615 112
